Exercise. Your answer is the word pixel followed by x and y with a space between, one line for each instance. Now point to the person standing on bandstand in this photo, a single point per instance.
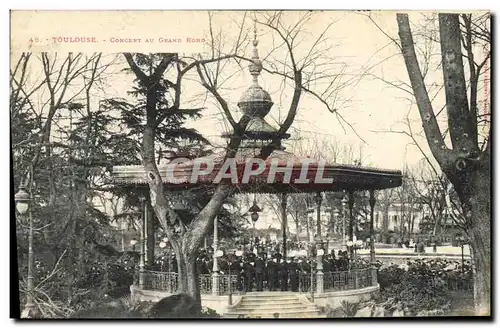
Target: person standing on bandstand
pixel 283 272
pixel 293 274
pixel 248 272
pixel 260 267
pixel 272 275
pixel 201 265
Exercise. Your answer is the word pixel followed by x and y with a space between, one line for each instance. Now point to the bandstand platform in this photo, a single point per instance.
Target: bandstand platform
pixel 230 301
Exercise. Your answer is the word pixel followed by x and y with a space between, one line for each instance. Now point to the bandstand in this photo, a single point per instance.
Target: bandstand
pixel 220 291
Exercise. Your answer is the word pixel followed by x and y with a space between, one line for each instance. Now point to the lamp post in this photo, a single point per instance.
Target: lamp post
pixel 215 275
pixel 319 268
pixel 319 199
pixel 215 267
pixel 344 203
pixel 162 247
pixel 23 200
pixel 312 272
pixel 169 261
pixel 254 215
pixel 349 245
pixel 461 240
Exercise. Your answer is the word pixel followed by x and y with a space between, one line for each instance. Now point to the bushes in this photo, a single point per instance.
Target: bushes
pixel 414 297
pixel 390 276
pixel 420 286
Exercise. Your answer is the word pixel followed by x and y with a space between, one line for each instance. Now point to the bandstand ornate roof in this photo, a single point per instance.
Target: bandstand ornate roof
pixel 256 103
pixel 345 177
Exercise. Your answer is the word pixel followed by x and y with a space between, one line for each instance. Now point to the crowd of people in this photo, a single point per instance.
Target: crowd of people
pixel 262 268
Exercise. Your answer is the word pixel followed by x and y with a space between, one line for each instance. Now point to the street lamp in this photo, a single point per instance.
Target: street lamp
pixel 254 215
pixel 23 200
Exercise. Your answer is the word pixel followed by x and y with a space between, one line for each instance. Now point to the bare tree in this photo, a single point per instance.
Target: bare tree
pixel 467 163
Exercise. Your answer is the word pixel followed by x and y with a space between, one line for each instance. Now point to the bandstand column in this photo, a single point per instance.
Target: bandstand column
pixel 143 244
pixel 319 255
pixel 350 203
pixel 319 199
pixel 284 222
pixel 150 235
pixel 215 268
pixel 372 238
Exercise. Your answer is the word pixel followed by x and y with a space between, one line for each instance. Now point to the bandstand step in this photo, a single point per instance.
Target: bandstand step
pixel 267 304
pixel 275 307
pixel 270 314
pixel 263 302
pixel 270 299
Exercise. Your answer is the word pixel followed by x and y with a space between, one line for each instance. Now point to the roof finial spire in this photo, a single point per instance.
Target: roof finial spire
pixel 255 42
pixel 256 66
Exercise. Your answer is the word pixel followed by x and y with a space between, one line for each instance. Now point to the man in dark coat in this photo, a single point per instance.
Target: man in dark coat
pixel 260 266
pixel 327 266
pixel 293 274
pixel 283 275
pixel 271 274
pixel 248 274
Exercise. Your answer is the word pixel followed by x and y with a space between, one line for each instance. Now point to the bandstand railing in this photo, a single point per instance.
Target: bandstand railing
pixel 347 280
pixel 162 281
pixel 169 282
pixel 332 281
pixel 338 280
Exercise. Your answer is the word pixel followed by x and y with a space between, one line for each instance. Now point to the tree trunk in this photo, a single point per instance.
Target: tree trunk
pixel 465 166
pixel 480 241
pixel 188 276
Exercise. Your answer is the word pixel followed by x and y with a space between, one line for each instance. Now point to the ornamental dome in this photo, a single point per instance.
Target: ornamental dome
pixel 255 101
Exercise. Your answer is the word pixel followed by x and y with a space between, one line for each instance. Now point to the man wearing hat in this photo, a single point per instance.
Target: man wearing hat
pixel 260 266
pixel 283 275
pixel 272 273
pixel 293 274
pixel 248 271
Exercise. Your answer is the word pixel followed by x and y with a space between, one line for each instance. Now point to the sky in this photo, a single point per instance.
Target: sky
pixel 356 50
